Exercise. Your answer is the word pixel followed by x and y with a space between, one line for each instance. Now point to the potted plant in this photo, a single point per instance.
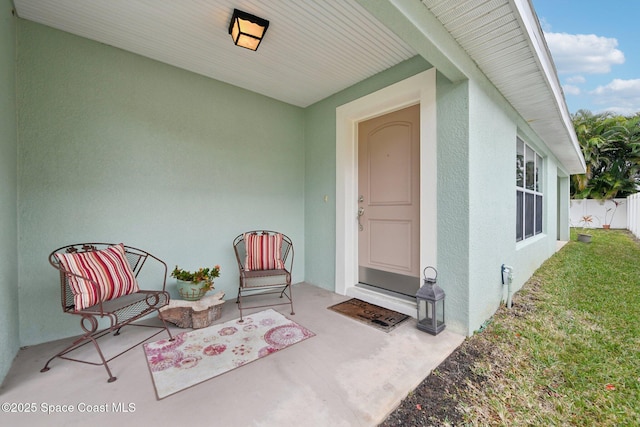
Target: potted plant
pixel 583 235
pixel 607 224
pixel 193 285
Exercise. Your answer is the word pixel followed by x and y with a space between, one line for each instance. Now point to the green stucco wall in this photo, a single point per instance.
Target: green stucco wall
pixel 9 328
pixel 119 148
pixel 494 126
pixel 453 204
pixel 492 147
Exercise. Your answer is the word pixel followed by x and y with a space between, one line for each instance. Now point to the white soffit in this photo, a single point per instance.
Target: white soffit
pixel 504 38
pixel 311 50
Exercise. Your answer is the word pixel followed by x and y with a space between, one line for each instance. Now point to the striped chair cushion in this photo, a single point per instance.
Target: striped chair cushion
pixel 108 268
pixel 264 251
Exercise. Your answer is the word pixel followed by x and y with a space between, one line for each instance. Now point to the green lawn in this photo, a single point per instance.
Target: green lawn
pixel 568 352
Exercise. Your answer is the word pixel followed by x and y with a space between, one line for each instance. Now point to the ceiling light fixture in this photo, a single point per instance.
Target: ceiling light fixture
pixel 247 30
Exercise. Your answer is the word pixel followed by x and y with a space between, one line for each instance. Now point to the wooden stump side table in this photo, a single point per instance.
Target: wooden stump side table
pixel 194 314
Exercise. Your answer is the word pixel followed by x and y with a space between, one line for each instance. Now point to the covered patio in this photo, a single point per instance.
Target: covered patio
pixel 118 141
pixel 349 374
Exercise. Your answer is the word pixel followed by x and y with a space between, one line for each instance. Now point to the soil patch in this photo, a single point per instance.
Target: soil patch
pixel 447 394
pixel 436 401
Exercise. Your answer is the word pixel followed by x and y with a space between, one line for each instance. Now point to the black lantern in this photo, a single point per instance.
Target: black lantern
pixel 430 298
pixel 247 30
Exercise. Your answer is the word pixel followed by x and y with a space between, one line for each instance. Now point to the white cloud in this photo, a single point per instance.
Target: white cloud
pixel 571 90
pixel 583 53
pixel 576 80
pixel 619 86
pixel 623 96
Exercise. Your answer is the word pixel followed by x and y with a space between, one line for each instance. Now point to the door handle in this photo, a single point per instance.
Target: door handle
pixel 360 213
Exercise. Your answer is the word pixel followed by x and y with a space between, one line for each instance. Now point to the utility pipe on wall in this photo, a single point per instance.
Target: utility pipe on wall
pixel 507 279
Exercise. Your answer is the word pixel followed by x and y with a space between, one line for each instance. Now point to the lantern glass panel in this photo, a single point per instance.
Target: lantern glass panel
pixel 440 313
pixel 423 309
pixel 426 312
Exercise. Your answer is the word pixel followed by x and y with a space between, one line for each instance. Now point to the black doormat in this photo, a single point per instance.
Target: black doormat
pixel 369 314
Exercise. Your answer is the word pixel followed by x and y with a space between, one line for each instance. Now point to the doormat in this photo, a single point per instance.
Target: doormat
pixel 196 356
pixel 372 315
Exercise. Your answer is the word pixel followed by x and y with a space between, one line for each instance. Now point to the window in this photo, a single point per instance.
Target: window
pixel 528 192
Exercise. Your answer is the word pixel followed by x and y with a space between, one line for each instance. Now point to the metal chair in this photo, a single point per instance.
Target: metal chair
pixel 260 282
pixel 118 312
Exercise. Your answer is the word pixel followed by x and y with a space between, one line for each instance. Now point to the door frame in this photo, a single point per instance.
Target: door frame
pixel 418 89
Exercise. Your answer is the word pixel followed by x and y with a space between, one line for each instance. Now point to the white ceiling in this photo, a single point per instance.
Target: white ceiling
pixel 311 50
pixel 315 48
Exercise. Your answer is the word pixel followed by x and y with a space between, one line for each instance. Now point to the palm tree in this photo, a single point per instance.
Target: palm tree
pixel 589 130
pixel 611 148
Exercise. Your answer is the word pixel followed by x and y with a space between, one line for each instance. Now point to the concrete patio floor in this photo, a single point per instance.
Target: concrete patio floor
pixel 349 374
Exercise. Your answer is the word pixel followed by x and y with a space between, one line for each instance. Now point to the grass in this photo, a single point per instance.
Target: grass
pixel 568 352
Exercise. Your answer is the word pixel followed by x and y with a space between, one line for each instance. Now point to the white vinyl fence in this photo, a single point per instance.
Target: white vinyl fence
pixel 626 215
pixel 602 212
pixel 633 214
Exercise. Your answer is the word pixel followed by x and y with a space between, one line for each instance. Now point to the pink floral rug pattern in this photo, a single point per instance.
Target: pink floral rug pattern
pixel 198 355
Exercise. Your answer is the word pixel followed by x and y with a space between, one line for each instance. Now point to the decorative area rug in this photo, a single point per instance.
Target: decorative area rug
pixel 196 356
pixel 372 315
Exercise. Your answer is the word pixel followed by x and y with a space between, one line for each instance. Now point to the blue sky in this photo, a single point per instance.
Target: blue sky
pixel 595 48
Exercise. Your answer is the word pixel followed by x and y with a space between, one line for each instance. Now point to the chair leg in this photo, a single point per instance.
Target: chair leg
pixel 239 302
pixel 92 335
pixel 104 361
pixel 68 349
pixel 290 292
pixel 291 299
pixel 79 343
pixel 290 296
pixel 283 293
pixel 166 328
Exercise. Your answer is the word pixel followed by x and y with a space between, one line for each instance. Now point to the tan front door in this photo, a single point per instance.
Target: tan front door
pixel 389 201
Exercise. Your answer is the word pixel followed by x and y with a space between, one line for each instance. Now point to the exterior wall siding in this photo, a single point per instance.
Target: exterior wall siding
pixel 492 146
pixel 492 214
pixel 454 250
pixel 9 327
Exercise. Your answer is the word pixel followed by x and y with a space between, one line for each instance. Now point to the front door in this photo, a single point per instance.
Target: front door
pixel 389 201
